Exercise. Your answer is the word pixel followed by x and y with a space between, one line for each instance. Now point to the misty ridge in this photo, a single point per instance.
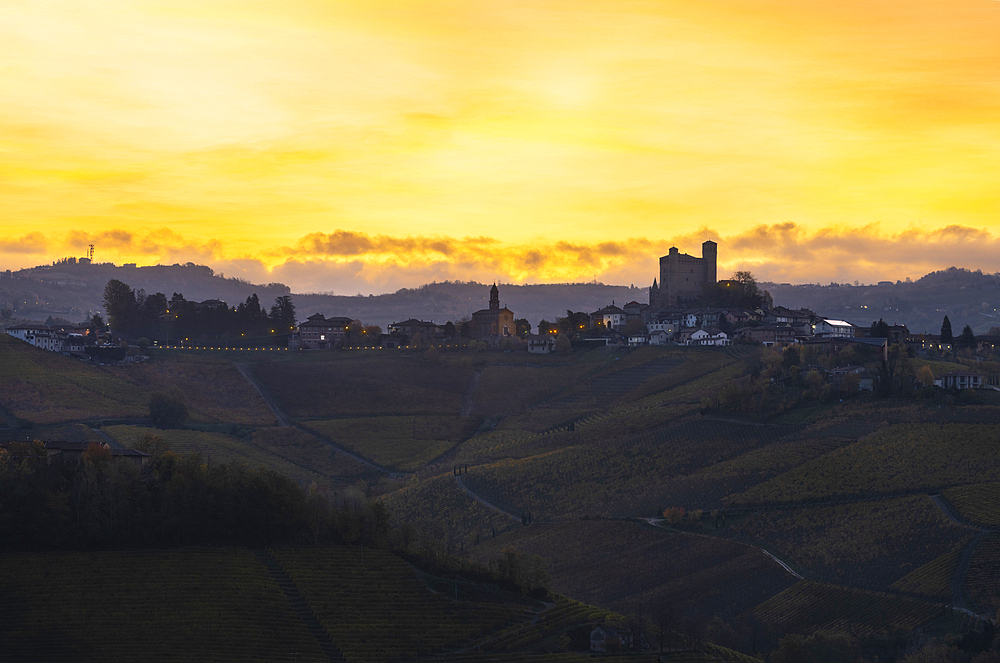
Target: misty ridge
pixel 73 290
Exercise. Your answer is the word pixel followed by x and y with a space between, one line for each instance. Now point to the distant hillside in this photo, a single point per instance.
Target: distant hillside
pixel 966 297
pixel 73 291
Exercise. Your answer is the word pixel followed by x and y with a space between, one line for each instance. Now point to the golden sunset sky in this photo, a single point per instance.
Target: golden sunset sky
pixel 365 146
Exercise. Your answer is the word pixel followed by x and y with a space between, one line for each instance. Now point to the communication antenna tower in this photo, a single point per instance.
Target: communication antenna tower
pixel 90 253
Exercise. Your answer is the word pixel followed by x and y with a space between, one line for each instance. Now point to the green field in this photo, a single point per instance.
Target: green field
pixel 215 604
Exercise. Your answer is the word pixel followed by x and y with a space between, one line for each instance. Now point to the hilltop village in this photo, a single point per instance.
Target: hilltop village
pixel 687 306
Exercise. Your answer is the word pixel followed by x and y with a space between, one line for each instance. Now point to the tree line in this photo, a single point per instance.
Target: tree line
pixel 134 314
pixel 176 499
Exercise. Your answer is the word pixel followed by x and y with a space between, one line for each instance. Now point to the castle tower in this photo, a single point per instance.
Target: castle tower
pixel 710 259
pixel 682 276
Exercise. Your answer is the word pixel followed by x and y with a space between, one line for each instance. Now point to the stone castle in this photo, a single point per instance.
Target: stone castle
pixel 682 276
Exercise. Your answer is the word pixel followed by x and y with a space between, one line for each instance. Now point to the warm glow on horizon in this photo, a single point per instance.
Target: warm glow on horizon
pixel 366 146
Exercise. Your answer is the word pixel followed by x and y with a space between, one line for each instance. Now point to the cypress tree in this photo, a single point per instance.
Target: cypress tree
pixel 946 335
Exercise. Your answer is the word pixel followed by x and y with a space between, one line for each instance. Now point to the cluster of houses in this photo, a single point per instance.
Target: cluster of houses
pixel 638 324
pixel 80 342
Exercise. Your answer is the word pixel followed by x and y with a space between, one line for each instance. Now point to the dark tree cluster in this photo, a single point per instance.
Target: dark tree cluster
pixel 740 292
pixel 135 315
pixel 174 500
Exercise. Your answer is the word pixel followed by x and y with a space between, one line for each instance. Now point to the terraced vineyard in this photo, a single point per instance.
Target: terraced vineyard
pixel 810 607
pixel 178 605
pixel 438 507
pixel 626 475
pixel 402 443
pixel 979 503
pixel 981 578
pixel 934 578
pixel 377 610
pixel 564 615
pixel 505 390
pixel 901 458
pixel 334 385
pixel 861 544
pixel 620 565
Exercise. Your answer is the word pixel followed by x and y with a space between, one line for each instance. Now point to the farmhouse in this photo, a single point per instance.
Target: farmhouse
pixel 541 344
pixel 320 333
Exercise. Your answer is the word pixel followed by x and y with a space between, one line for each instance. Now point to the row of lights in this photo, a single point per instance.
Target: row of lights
pixel 195 347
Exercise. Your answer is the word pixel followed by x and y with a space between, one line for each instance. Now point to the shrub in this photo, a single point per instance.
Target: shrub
pixel 167 411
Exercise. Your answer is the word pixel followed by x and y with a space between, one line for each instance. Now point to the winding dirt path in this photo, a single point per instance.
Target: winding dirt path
pixel 958 581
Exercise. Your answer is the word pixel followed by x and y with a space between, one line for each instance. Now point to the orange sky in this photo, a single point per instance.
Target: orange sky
pixel 364 146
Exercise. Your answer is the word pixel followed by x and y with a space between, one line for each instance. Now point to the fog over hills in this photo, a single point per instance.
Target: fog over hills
pixel 74 290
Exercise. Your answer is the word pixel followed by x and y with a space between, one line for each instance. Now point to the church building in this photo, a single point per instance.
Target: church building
pixel 682 276
pixel 493 322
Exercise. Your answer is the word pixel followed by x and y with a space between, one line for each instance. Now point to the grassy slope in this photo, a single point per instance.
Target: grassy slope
pixel 45 387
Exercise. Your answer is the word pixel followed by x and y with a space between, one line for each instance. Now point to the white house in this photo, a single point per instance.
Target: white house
pixel 26 332
pixel 833 328
pixel 708 337
pixel 541 344
pixel 611 317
